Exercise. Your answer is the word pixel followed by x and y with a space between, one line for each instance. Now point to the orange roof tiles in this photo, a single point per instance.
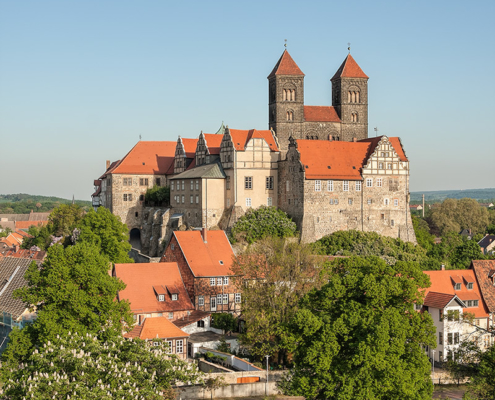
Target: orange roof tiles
pixel 213 258
pixel 150 158
pixel 213 142
pixel 332 159
pixel 192 318
pixel 349 69
pixel 24 253
pixel 438 300
pixel 285 66
pixel 140 279
pixel 190 147
pixel 241 138
pixel 443 282
pixel 320 114
pixel 397 145
pixel 484 270
pixel 156 328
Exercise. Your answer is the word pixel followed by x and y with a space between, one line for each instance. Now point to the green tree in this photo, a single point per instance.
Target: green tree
pixel 211 384
pixel 454 215
pixel 158 195
pixel 359 337
pixel 5 232
pixel 464 362
pixel 41 237
pixel 422 231
pixel 65 218
pixel 465 253
pixel 483 382
pixel 104 230
pixel 73 291
pixel 74 366
pixel 224 321
pixel 273 275
pixel 263 222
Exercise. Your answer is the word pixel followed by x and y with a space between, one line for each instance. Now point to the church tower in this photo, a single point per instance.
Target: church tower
pixel 286 100
pixel 350 99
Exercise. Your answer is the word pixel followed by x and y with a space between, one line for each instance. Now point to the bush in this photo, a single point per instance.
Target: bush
pixel 262 222
pixel 158 196
pixel 223 321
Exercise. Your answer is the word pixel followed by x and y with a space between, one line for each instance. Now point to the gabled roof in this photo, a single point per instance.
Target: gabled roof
pixel 320 114
pixel 140 279
pixel 349 69
pixel 484 270
pixel 486 241
pixel 324 159
pixel 285 66
pixel 156 328
pixel 213 141
pixel 147 158
pixel 210 171
pixel 443 282
pixel 12 272
pixel 438 300
pixel 110 169
pixel 192 318
pixel 28 224
pixel 213 258
pixel 26 254
pixel 241 138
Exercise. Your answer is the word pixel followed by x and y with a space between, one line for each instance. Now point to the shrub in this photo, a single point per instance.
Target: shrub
pixel 158 196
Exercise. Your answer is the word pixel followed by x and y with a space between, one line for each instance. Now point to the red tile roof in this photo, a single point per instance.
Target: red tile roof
pixel 140 280
pixel 27 254
pixel 443 282
pixel 285 66
pixel 110 169
pixel 149 158
pixel 397 145
pixel 190 147
pixel 213 142
pixel 484 269
pixel 156 328
pixel 240 138
pixel 438 300
pixel 349 69
pixel 320 114
pixel 192 318
pixel 323 159
pixel 213 258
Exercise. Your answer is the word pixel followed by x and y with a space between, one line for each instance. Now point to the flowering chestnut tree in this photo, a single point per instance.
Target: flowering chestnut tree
pixel 82 367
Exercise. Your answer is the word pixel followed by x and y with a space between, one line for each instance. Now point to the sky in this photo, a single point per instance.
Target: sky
pixel 82 81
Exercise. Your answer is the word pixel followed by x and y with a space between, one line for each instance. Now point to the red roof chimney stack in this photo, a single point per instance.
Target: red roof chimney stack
pixel 443 267
pixel 108 164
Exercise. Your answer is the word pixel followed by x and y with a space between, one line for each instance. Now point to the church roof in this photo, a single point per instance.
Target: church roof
pixel 285 66
pixel 320 114
pixel 349 69
pixel 148 158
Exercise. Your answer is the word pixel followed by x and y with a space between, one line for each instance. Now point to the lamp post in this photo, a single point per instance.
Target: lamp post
pixel 433 364
pixel 266 385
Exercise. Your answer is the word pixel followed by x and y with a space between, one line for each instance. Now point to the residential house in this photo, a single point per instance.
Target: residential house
pixel 453 294
pixel 487 244
pixel 205 259
pixel 159 331
pixel 485 275
pixel 154 290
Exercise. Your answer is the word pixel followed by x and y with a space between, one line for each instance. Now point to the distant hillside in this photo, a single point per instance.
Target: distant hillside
pixel 23 203
pixel 441 195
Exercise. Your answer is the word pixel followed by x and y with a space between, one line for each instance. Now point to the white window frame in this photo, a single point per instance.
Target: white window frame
pixel 170 315
pixel 192 185
pixel 183 199
pixel 248 182
pixel 379 182
pixel 350 201
pixel 213 281
pixel 182 185
pixel 219 298
pixel 219 281
pixel 330 186
pixel 225 298
pixel 287 186
pixel 386 202
pixel 270 182
pixel 201 301
pixel 345 186
pixel 269 201
pixel 191 199
pixel 175 297
pixel 161 297
pixel 197 199
pixel 179 346
pixel 369 182
pixel 170 348
pixel 225 280
pixel 317 185
pixel 248 201
pixel 396 202
pixel 369 201
pixel 172 185
pixel 197 185
pixel 237 298
pixel 358 186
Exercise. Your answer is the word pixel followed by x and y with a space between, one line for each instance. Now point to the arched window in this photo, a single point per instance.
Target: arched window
pixel 284 95
pixel 290 116
pixel 348 97
pixel 357 97
pixel 293 95
pixel 353 97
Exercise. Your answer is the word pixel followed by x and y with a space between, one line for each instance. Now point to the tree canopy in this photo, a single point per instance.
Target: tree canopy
pixel 263 222
pixel 454 215
pixel 359 337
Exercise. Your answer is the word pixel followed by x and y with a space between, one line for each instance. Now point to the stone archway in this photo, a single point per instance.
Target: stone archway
pixel 135 238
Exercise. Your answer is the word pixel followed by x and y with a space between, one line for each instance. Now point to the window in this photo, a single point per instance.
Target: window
pixel 269 202
pixel 440 315
pixel 127 182
pixel 396 202
pixel 330 186
pixel 213 281
pixel 219 299
pixel 141 197
pixel 287 186
pixel 191 199
pixel 192 185
pixel 248 202
pixel 201 301
pixel 127 196
pixel 225 279
pixel 228 202
pixel 475 303
pixel 440 356
pixel 237 298
pixel 182 185
pixel 470 285
pixel 457 286
pixel 161 297
pixel 317 186
pixel 156 344
pixel 169 345
pixel 418 307
pixel 346 186
pixel 392 222
pixel 143 181
pixel 248 182
pixel 382 216
pixel 175 296
pixel 172 185
pixel 440 337
pixel 179 346
pixel 358 186
pixel 290 116
pixel 389 166
pixel 183 199
pixel 369 182
pixel 379 182
pixel 380 165
pixel 172 246
pixel 456 337
pixel 350 202
pixel 219 281
pixel 385 201
pixel 197 185
pixel 227 183
pixel 336 201
pixel 449 338
pixel 225 299
pixel 269 182
pixel 197 199
pixel 369 201
pixel 157 181
pixel 170 315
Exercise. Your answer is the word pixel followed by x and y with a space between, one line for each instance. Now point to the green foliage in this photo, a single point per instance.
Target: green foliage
pixel 483 195
pixel 263 222
pixel 5 232
pixel 25 203
pixel 214 358
pixel 158 195
pixel 483 382
pixel 224 321
pixel 213 383
pixel 105 230
pixel 274 274
pixel 74 366
pixel 364 244
pixel 359 337
pixel 464 362
pixel 42 237
pixel 65 218
pixel 455 215
pixel 73 292
pixel 223 346
pixel 422 231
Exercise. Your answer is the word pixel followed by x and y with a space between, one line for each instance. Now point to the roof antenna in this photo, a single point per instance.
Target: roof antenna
pixel 285 44
pixel 349 47
pixel 376 131
pixel 139 137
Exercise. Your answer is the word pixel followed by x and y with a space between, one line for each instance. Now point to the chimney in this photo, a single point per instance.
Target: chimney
pixel 354 139
pixel 108 164
pixel 443 267
pixel 16 248
pixel 203 233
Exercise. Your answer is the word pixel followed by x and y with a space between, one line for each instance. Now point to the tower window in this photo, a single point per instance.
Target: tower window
pixel 289 95
pixel 353 96
pixel 290 116
pixel 354 117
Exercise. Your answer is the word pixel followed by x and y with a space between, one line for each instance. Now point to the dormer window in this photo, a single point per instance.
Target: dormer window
pixel 470 285
pixel 161 297
pixel 175 297
pixel 457 286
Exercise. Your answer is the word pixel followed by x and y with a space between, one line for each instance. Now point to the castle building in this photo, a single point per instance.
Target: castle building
pixel 315 162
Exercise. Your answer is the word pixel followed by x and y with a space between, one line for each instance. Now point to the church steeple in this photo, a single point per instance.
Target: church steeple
pixel 349 69
pixel 285 66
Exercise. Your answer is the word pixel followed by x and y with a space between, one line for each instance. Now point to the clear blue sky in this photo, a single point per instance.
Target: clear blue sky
pixel 81 80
